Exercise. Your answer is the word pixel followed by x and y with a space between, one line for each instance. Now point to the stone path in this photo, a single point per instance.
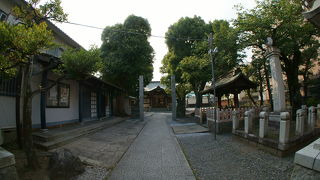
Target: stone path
pixel 229 158
pixel 155 154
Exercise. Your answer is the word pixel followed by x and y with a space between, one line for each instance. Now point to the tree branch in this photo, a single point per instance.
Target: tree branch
pixel 12 66
pixel 50 67
pixel 43 89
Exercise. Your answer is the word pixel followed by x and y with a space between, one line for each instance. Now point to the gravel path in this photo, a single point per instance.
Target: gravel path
pixel 229 158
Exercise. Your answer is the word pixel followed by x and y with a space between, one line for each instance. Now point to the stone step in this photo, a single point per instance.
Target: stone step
pixel 49 136
pixel 47 141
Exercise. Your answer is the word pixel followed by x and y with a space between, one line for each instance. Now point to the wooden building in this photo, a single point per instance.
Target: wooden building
pixel 232 83
pixel 155 97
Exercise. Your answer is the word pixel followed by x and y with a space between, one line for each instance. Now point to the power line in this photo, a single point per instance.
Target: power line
pixel 136 33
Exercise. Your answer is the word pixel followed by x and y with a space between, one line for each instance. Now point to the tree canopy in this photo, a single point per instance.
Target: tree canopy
pixel 79 64
pixel 127 53
pixel 295 37
pixel 188 57
pixel 21 41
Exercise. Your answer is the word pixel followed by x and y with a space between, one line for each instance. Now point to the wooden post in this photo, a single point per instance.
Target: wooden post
pixel 173 94
pixel 141 107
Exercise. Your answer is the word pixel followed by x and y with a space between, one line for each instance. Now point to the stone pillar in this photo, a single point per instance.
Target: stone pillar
pixel 235 120
pixel 311 117
pixel 201 116
pixel 284 127
pixel 247 122
pixel 263 124
pixel 174 100
pixel 278 94
pixel 299 122
pixel 141 100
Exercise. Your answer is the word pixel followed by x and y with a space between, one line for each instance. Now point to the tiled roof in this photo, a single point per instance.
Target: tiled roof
pixel 153 85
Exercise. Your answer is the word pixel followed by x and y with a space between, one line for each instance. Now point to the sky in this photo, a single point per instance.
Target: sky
pixel 160 14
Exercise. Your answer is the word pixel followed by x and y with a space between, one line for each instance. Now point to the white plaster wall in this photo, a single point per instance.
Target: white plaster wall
pixel 66 114
pixel 7 112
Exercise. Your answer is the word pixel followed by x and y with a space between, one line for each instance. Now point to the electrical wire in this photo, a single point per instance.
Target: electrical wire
pixel 136 33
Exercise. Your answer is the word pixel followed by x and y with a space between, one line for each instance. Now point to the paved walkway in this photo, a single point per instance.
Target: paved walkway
pixel 155 154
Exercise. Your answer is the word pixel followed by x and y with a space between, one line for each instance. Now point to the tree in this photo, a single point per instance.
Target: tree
pixel 283 21
pixel 181 39
pixel 78 64
pixel 20 43
pixel 127 53
pixel 196 72
pixel 188 58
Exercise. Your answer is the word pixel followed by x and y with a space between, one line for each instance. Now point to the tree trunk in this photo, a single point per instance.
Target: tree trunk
pixel 294 88
pixel 181 109
pixel 27 119
pixel 260 87
pixel 250 97
pixel 198 99
pixel 305 87
pixel 268 85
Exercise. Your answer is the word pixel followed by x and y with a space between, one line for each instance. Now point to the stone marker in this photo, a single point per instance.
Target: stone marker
pixel 278 94
pixel 141 99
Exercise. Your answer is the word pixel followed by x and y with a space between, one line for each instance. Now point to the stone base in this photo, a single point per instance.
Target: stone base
pixel 222 127
pixel 7 165
pixel 274 147
pixel 9 173
pixel 274 120
pixel 300 172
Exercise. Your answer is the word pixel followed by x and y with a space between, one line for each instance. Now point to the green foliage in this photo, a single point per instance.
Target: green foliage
pixel 229 51
pixel 34 12
pixel 188 59
pixel 86 62
pixel 19 43
pixel 283 21
pixel 189 32
pixel 127 55
pixel 196 71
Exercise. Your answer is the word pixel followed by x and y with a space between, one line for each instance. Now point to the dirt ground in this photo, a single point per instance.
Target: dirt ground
pixel 24 172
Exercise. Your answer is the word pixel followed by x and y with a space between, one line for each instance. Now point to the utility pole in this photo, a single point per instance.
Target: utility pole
pixel 141 99
pixel 173 95
pixel 211 52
